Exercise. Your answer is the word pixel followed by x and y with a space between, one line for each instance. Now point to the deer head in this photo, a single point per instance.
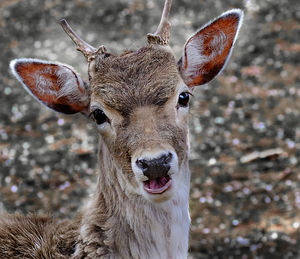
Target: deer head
pixel 139 100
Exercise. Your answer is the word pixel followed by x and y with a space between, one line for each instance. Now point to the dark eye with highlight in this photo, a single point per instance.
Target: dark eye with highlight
pixel 99 116
pixel 183 99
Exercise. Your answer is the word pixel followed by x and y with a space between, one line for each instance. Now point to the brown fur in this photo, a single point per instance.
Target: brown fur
pixel 140 86
pixel 36 237
pixel 147 76
pixel 142 99
pixel 117 225
pixel 139 93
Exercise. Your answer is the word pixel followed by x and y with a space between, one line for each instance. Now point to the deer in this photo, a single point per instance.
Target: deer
pixel 139 101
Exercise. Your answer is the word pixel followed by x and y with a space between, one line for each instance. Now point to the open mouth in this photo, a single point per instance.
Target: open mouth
pixel 158 185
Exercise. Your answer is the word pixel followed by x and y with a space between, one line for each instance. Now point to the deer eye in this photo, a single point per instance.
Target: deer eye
pixel 99 116
pixel 183 99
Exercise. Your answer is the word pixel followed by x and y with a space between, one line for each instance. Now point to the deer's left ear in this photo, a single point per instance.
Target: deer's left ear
pixel 208 50
pixel 55 85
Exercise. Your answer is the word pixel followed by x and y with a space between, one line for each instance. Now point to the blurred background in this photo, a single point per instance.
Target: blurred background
pixel 245 125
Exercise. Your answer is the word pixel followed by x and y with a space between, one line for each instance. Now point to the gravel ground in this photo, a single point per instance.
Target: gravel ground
pixel 245 126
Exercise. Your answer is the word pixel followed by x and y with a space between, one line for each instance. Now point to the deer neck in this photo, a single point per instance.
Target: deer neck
pixel 121 224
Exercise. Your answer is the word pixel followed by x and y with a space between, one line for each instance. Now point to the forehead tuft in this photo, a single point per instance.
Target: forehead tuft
pixel 148 76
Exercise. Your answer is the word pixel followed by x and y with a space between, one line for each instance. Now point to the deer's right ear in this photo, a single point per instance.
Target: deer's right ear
pixel 54 85
pixel 208 50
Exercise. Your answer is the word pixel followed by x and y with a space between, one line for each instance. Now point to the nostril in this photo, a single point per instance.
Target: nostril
pixel 157 167
pixel 167 158
pixel 142 164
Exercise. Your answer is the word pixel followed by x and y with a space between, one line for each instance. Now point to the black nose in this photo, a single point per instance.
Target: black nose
pixel 157 167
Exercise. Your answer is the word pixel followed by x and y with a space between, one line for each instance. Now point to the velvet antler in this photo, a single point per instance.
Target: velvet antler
pixel 162 34
pixel 87 50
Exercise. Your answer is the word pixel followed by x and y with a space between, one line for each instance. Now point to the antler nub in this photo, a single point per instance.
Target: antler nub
pixel 87 50
pixel 162 34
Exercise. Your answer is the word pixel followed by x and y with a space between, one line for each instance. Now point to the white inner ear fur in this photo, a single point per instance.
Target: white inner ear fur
pixel 70 83
pixel 194 46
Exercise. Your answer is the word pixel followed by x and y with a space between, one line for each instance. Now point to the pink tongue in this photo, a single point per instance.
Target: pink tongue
pixel 158 182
